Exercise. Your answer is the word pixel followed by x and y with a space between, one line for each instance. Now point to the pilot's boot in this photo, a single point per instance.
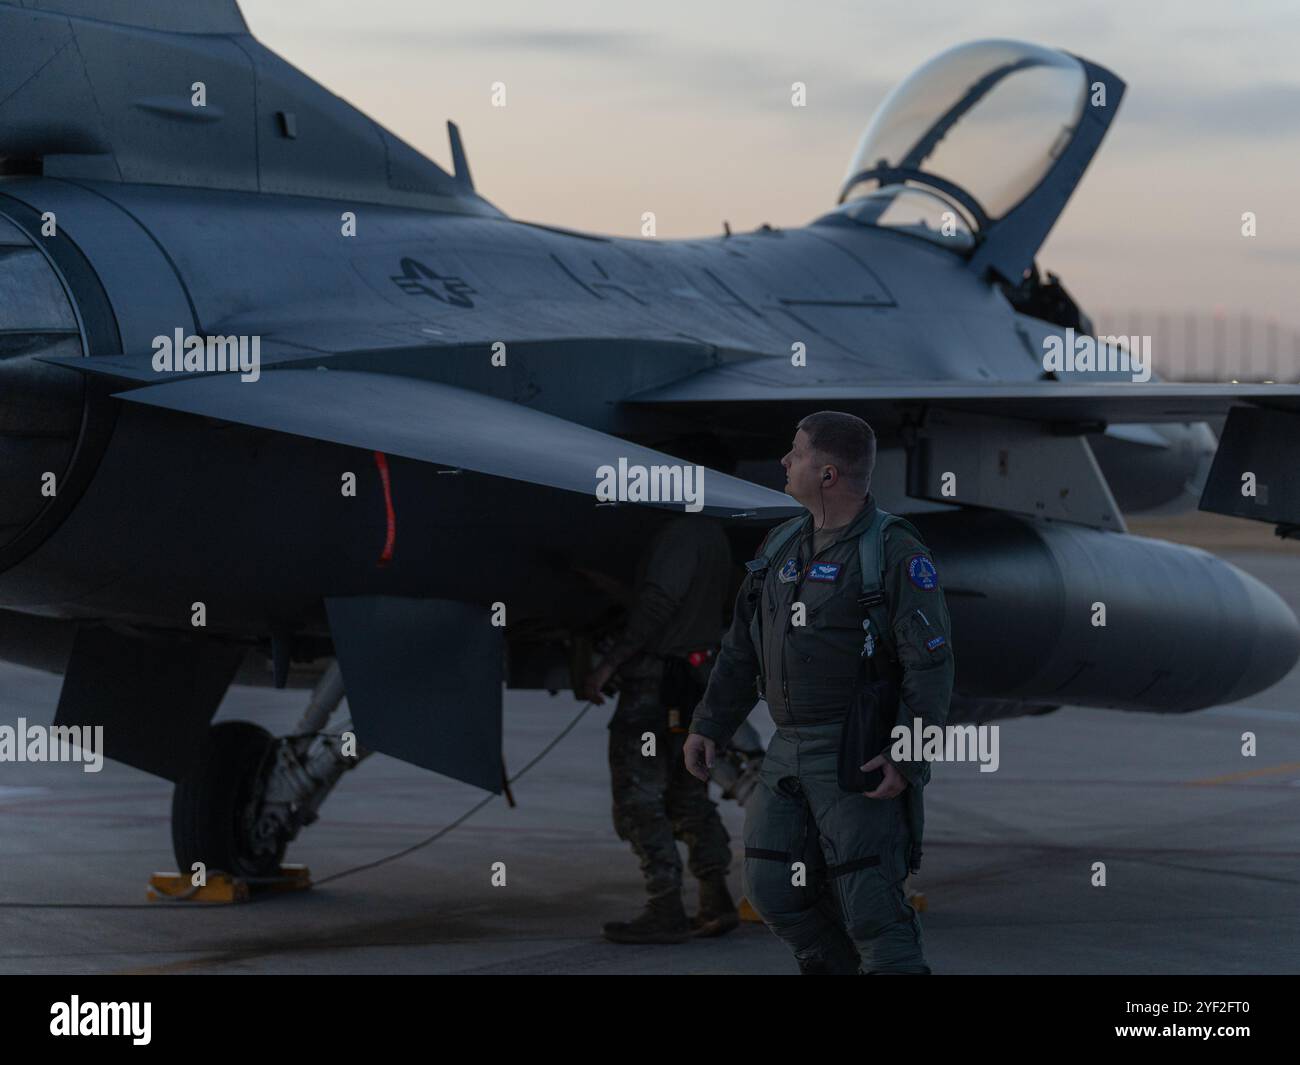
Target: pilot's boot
pixel 662 921
pixel 717 914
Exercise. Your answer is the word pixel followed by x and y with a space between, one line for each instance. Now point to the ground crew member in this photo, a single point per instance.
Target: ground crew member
pixel 662 659
pixel 825 867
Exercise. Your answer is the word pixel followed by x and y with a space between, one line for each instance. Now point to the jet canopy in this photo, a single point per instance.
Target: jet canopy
pixel 965 139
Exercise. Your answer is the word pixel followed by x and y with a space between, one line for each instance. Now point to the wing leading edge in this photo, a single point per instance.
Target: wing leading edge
pixel 449 426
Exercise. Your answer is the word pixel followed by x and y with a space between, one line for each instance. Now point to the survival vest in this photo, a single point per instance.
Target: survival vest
pixel 871 562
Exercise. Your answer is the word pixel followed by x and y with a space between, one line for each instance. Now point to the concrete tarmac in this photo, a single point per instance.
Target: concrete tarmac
pixel 1201 849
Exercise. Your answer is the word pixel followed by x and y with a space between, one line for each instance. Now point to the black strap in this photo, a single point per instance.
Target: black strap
pixel 854 866
pixel 759 852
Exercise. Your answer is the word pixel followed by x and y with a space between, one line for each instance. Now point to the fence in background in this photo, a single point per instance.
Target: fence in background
pixel 1209 345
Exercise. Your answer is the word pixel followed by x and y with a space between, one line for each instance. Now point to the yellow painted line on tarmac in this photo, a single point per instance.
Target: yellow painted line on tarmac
pixel 1247 774
pixel 190 965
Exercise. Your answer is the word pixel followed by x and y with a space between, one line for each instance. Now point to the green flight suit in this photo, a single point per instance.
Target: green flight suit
pixel 842 906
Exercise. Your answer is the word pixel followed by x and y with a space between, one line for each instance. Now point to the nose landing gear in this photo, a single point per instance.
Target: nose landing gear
pixel 213 807
pixel 251 793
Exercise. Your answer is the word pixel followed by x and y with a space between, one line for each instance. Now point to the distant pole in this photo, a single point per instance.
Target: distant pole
pixel 1220 338
pixel 1160 342
pixel 1247 359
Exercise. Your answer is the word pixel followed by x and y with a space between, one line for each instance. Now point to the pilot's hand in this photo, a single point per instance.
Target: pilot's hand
pixel 597 679
pixel 893 783
pixel 699 752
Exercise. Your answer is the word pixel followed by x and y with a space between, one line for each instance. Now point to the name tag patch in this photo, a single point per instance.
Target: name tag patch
pixel 935 644
pixel 825 571
pixel 789 572
pixel 921 572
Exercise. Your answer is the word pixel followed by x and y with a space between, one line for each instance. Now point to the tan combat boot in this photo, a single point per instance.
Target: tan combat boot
pixel 717 914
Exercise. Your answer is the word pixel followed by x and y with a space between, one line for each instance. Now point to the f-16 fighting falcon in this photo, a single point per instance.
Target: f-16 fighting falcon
pixel 284 402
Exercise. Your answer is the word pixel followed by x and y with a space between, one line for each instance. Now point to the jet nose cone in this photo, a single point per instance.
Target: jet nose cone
pixel 1274 646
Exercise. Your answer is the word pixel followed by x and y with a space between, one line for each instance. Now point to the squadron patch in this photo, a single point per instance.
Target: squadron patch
pixel 789 572
pixel 921 572
pixel 825 571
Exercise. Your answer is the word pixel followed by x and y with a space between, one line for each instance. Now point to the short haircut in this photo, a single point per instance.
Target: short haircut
pixel 846 440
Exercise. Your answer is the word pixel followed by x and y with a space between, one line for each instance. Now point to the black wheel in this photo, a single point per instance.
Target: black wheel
pixel 212 807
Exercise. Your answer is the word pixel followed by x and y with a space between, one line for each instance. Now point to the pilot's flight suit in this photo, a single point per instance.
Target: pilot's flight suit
pixel 855 851
pixel 678 607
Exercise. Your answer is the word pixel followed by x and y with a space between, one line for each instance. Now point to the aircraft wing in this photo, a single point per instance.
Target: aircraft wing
pixel 1261 436
pixel 740 388
pixel 442 424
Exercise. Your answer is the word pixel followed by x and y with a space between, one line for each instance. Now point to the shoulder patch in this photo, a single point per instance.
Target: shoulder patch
pixel 921 572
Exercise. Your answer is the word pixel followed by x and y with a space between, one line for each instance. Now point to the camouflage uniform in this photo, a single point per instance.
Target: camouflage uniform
pixel 656 801
pixel 855 851
pixel 678 607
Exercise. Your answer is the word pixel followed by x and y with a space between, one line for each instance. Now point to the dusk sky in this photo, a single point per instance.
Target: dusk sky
pixel 683 109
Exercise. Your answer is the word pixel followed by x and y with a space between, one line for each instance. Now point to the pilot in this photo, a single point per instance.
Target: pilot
pixel 825 867
pixel 662 659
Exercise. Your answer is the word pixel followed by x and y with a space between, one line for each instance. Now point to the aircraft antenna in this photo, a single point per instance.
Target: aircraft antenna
pixel 460 165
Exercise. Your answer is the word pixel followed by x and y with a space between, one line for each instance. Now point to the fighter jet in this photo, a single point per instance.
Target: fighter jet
pixel 282 398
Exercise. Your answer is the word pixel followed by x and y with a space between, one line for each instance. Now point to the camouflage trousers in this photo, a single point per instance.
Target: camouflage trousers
pixel 825 867
pixel 656 801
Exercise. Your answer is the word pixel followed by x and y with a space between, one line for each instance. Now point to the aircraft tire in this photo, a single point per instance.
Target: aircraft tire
pixel 210 806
